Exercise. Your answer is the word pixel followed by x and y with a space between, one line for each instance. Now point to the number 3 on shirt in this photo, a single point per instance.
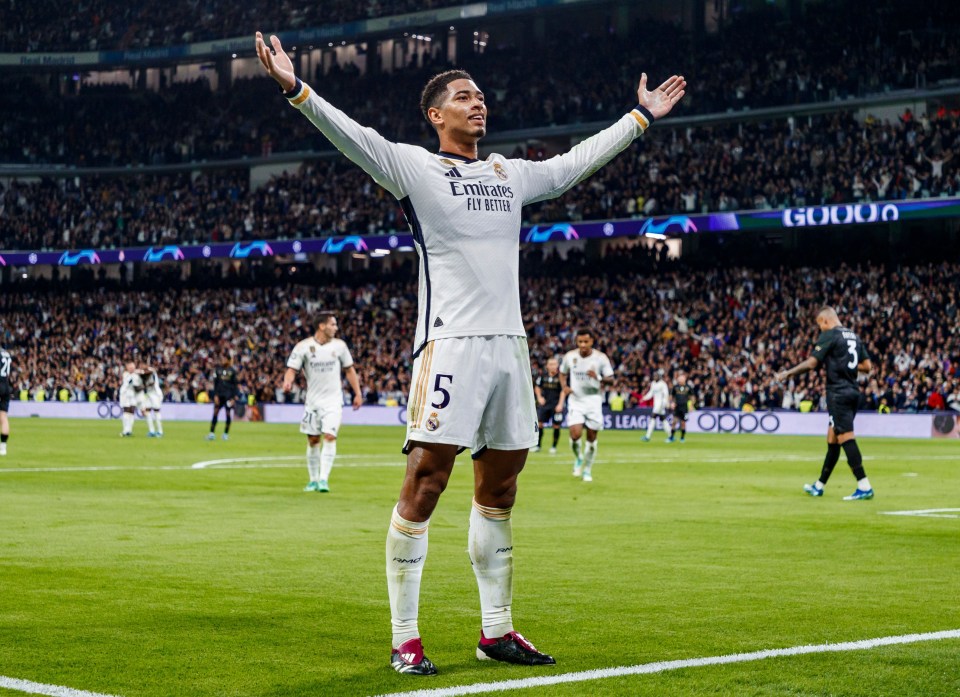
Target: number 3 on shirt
pixel 852 350
pixel 438 387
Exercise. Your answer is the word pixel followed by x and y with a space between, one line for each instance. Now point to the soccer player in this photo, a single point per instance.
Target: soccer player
pixel 588 370
pixel 549 393
pixel 322 357
pixel 844 356
pixel 681 404
pixel 660 393
pixel 151 402
pixel 226 389
pixel 471 385
pixel 131 386
pixel 6 367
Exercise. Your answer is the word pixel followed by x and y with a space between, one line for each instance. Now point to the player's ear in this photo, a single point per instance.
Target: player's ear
pixel 435 116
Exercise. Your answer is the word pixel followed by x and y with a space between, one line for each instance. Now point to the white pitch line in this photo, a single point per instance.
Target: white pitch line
pixel 39 688
pixel 663 666
pixel 167 468
pixel 926 513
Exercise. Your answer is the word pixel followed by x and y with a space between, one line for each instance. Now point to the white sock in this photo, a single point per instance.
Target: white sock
pixel 575 445
pixel 127 419
pixel 667 428
pixel 406 555
pixel 327 455
pixel 589 452
pixel 149 416
pixel 159 422
pixel 313 462
pixel 818 484
pixel 650 425
pixel 864 484
pixel 491 553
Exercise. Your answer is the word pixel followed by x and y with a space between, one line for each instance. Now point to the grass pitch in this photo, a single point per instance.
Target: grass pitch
pixel 123 570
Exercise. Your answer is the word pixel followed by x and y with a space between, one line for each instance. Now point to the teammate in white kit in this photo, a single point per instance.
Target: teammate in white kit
pixel 322 357
pixel 151 399
pixel 131 386
pixel 583 373
pixel 660 393
pixel 471 384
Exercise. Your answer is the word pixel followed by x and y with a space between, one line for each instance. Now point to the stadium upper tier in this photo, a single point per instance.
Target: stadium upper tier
pixel 563 78
pixel 811 161
pixel 728 327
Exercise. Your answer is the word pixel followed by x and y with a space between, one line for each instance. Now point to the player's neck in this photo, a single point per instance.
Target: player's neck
pixel 321 338
pixel 466 149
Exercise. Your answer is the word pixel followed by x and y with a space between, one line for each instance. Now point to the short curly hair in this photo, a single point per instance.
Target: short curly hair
pixel 436 88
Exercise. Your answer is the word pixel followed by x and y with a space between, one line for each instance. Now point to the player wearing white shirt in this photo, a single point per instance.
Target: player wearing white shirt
pixel 583 373
pixel 471 384
pixel 659 392
pixel 6 391
pixel 150 402
pixel 322 358
pixel 131 386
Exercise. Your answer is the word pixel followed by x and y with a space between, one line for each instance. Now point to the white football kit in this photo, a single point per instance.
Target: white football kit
pixel 465 216
pixel 585 402
pixel 131 386
pixel 322 365
pixel 660 394
pixel 152 395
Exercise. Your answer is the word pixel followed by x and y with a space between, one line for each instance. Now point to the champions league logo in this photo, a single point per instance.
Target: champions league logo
pixel 244 251
pixel 171 252
pixel 562 231
pixel 333 246
pixel 84 256
pixel 675 223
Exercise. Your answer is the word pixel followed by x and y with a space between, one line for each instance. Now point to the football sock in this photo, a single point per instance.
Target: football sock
pixel 226 425
pixel 854 459
pixel 4 437
pixel 575 446
pixel 589 452
pixel 818 485
pixel 539 437
pixel 406 554
pixel 159 422
pixel 829 462
pixel 667 428
pixel 313 462
pixel 127 420
pixel 491 554
pixel 650 425
pixel 683 433
pixel 327 454
pixel 149 417
pixel 864 484
pixel 213 421
pixel 556 437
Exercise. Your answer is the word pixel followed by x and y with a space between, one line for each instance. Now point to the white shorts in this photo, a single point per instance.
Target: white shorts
pixel 321 418
pixel 586 412
pixel 129 399
pixel 153 400
pixel 475 392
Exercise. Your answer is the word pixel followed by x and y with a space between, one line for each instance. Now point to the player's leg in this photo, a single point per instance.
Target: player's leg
pixel 846 411
pixel 829 462
pixel 428 470
pixel 557 422
pixel 158 422
pixel 313 462
pixel 590 449
pixel 228 412
pixel 148 415
pixel 4 428
pixel 575 421
pixel 683 426
pixel 651 425
pixel 216 415
pixel 127 418
pixel 327 456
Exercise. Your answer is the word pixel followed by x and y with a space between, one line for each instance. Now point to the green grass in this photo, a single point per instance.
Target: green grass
pixel 231 581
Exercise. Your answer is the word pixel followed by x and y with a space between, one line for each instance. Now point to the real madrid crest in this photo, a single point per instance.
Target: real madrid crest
pixel 499 171
pixel 313 349
pixel 433 421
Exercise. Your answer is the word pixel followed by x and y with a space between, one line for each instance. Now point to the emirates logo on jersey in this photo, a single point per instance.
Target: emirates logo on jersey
pixel 499 171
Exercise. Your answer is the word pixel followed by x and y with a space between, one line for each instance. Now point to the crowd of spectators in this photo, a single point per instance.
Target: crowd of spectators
pixel 729 328
pixel 794 162
pixel 756 62
pixel 99 25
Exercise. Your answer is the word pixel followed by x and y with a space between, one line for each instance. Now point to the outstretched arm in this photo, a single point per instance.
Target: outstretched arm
pixel 798 369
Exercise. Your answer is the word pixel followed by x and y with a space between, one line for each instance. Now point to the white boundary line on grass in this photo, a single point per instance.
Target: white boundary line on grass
pixel 663 666
pixel 927 513
pixel 231 463
pixel 39 688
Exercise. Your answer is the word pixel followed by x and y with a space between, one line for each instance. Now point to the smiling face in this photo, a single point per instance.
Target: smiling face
pixel 463 113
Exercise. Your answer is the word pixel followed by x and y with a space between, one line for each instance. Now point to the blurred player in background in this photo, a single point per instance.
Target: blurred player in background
pixel 659 392
pixel 844 356
pixel 681 405
pixel 131 387
pixel 6 390
pixel 550 398
pixel 226 389
pixel 471 378
pixel 588 370
pixel 322 357
pixel 151 402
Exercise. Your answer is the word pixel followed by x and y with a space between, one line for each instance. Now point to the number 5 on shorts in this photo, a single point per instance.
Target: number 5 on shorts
pixel 445 400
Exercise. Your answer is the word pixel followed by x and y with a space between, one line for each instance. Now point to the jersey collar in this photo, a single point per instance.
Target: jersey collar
pixel 468 160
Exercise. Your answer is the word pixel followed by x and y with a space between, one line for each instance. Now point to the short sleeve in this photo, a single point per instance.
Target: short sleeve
pixel 346 360
pixel 296 359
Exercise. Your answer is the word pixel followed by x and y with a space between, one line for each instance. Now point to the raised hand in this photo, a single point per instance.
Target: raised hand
pixel 661 100
pixel 276 62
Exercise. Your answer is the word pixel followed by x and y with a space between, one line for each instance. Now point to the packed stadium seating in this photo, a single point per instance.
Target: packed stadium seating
pixel 730 328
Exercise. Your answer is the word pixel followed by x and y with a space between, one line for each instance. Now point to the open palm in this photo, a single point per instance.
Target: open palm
pixel 661 100
pixel 276 62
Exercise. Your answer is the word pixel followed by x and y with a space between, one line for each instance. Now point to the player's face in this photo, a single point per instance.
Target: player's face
pixel 464 110
pixel 682 379
pixel 131 367
pixel 329 328
pixel 823 322
pixel 585 344
pixel 553 366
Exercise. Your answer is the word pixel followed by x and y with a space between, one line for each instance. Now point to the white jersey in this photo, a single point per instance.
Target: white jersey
pixel 660 394
pixel 322 365
pixel 130 385
pixel 465 214
pixel 152 385
pixel 575 367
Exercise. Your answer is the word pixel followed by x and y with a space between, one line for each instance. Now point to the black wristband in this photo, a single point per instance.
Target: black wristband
pixel 297 86
pixel 646 113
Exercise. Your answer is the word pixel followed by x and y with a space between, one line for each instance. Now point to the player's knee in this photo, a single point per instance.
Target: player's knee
pixel 330 439
pixel 313 440
pixel 499 495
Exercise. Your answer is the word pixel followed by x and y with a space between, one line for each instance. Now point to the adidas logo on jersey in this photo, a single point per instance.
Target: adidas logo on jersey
pixel 438 323
pixel 454 172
